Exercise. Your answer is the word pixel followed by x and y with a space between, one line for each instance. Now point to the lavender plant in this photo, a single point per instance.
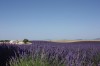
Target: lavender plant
pixel 43 53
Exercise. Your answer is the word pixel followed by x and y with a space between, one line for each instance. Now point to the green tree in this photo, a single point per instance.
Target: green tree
pixel 2 41
pixel 25 41
pixel 7 40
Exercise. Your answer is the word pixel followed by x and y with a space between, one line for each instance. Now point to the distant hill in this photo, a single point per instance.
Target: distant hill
pixel 97 39
pixel 70 41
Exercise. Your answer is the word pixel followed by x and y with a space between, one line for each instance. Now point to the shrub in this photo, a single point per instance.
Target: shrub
pixel 25 41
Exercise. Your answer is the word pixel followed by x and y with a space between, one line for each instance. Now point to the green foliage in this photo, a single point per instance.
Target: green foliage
pixel 1 40
pixel 25 41
pixel 28 61
pixel 7 40
pixel 4 40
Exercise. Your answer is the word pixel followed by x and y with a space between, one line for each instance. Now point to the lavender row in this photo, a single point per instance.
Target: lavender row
pixel 70 54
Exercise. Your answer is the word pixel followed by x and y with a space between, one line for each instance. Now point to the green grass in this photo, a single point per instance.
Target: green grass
pixel 37 61
pixel 28 61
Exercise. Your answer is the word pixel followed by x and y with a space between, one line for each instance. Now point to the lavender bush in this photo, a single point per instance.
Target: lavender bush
pixel 44 53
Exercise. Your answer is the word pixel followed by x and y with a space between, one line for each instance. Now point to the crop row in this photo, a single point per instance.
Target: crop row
pixel 41 53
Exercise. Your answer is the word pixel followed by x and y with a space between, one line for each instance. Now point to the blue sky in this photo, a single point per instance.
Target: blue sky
pixel 49 19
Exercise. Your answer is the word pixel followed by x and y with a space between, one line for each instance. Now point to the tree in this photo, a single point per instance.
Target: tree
pixel 25 41
pixel 7 40
pixel 2 41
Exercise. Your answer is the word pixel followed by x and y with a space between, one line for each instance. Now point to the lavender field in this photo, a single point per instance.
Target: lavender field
pixel 45 53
